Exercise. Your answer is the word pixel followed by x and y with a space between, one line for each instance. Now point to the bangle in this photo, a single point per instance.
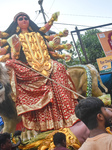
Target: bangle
pixel 6 47
pixel 3 34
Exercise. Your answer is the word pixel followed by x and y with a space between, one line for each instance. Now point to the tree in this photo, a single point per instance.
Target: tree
pixel 92 46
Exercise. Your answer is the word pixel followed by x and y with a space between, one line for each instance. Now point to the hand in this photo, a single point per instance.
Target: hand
pixel 56 41
pixel 65 33
pixel 16 43
pixel 67 57
pixel 17 46
pixel 68 46
pixel 55 16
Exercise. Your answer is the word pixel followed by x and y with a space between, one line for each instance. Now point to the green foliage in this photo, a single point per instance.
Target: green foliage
pixel 92 46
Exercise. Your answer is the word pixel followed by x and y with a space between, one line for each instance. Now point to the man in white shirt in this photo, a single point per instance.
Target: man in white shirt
pixel 96 117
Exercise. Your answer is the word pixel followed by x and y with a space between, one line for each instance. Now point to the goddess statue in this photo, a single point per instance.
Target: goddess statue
pixel 43 103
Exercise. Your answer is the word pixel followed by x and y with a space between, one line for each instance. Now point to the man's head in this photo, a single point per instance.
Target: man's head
pixel 59 139
pixel 92 112
pixel 5 142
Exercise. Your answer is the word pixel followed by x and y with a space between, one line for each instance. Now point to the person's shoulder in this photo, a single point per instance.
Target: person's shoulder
pixel 107 135
pixel 87 145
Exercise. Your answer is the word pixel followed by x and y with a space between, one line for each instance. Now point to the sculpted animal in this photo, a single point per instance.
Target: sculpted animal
pixel 7 106
pixel 85 79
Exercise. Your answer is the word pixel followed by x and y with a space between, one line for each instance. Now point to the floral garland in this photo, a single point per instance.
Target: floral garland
pixel 89 79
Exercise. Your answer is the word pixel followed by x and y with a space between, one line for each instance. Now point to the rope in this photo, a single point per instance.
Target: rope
pixel 52 80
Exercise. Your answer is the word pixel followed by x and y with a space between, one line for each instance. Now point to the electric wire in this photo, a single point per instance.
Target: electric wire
pixel 51 6
pixel 85 16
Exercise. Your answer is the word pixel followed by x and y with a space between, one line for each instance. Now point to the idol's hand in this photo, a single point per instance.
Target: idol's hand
pixel 14 43
pixel 65 33
pixel 15 46
pixel 68 46
pixel 55 16
pixel 67 57
pixel 56 41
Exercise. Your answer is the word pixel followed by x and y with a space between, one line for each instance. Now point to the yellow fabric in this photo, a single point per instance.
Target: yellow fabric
pixel 47 142
pixel 36 52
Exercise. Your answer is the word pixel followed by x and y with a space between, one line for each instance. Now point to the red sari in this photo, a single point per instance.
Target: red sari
pixel 43 104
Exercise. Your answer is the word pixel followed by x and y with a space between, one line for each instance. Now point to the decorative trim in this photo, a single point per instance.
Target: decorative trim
pixel 89 79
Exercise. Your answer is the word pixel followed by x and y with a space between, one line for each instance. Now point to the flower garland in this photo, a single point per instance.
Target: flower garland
pixel 89 79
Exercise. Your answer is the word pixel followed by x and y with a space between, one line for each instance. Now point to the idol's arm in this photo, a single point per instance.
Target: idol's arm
pixel 48 25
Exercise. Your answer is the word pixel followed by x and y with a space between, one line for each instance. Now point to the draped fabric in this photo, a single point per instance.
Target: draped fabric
pixel 43 104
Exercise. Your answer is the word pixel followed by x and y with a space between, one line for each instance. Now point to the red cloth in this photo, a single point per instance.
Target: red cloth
pixel 43 104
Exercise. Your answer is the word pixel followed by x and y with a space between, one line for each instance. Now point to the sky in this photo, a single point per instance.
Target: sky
pixel 80 13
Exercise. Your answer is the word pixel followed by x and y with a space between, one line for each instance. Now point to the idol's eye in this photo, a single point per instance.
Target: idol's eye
pixel 1 86
pixel 25 18
pixel 20 19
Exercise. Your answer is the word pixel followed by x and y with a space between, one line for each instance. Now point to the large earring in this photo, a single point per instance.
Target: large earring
pixel 30 28
pixel 17 29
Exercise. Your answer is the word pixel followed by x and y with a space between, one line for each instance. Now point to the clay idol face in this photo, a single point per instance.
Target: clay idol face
pixel 23 22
